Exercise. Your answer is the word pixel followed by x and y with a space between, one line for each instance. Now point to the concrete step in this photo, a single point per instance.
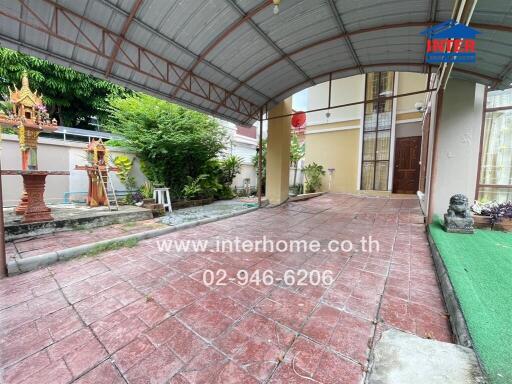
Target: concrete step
pixel 402 358
pixel 69 218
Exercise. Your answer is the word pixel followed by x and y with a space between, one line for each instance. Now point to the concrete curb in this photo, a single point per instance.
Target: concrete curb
pixel 306 196
pixel 457 319
pixel 16 267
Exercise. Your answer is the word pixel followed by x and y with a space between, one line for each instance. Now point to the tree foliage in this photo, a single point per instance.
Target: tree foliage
pixel 174 144
pixel 297 152
pixel 263 160
pixel 71 97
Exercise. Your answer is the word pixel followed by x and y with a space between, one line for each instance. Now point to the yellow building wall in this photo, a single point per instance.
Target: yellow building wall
pixel 335 149
pixel 344 91
pixel 409 116
pixel 410 82
pixel 339 149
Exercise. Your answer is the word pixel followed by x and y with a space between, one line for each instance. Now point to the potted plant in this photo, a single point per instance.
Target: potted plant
pixel 146 190
pixel 497 216
pixel 313 177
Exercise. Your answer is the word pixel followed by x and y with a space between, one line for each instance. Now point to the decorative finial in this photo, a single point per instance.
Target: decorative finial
pixel 24 79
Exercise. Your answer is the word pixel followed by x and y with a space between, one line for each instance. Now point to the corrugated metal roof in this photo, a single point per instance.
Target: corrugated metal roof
pixel 230 57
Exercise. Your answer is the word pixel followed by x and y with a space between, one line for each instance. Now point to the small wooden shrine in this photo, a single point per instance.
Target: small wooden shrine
pixel 101 191
pixel 30 117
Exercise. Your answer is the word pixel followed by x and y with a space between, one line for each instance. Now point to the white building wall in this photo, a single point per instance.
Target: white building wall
pixel 458 143
pixel 55 155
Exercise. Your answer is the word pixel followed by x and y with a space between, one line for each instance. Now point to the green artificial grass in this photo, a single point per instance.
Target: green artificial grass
pixel 480 269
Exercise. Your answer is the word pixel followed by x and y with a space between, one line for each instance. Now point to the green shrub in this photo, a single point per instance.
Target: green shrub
pixel 172 143
pixel 313 177
pixel 230 167
pixel 203 186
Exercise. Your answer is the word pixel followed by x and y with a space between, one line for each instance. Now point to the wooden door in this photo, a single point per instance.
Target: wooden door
pixel 407 165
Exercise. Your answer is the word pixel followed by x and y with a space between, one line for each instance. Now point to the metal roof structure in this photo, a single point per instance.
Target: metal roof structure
pixel 229 58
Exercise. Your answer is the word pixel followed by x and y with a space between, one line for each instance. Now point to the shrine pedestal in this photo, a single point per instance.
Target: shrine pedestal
pixel 22 205
pixel 35 209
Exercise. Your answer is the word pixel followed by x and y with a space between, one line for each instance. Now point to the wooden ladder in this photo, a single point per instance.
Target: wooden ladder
pixel 108 188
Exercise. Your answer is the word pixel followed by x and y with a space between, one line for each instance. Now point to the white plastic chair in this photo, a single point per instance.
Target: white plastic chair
pixel 162 196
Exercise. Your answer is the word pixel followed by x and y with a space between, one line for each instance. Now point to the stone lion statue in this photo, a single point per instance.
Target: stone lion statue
pixel 458 217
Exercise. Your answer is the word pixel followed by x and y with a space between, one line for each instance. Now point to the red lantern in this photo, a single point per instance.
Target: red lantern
pixel 299 120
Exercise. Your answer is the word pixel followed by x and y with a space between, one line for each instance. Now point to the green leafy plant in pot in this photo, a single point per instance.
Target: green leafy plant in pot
pixel 146 190
pixel 313 177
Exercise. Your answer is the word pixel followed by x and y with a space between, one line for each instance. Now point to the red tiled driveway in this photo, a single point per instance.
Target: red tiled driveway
pixel 142 316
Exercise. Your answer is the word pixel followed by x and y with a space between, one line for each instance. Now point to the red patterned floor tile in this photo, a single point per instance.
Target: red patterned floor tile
pixel 131 354
pixel 160 323
pixel 352 337
pixel 60 324
pixel 172 299
pixel 205 367
pixel 22 342
pixel 159 367
pixel 81 351
pixel 185 344
pixel 117 330
pixel 208 323
pixel 57 373
pixel 26 368
pixel 105 373
pixel 147 310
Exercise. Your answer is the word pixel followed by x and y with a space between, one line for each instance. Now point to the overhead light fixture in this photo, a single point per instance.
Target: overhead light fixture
pixel 276 6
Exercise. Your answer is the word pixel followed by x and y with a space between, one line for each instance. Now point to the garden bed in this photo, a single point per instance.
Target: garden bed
pixel 485 222
pixel 479 267
pixel 179 204
pixel 216 209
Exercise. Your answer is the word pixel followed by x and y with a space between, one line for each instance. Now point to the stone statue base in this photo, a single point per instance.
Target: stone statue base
pixel 455 224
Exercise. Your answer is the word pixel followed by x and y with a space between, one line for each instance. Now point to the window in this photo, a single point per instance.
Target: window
pixel 495 173
pixel 377 131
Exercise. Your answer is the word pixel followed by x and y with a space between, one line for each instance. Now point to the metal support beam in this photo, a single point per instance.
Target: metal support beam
pixel 341 70
pixel 356 103
pixel 96 37
pixel 502 77
pixel 180 47
pixel 461 13
pixel 330 91
pixel 342 29
pixel 121 36
pixel 431 19
pixel 260 159
pixel 419 65
pixel 93 39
